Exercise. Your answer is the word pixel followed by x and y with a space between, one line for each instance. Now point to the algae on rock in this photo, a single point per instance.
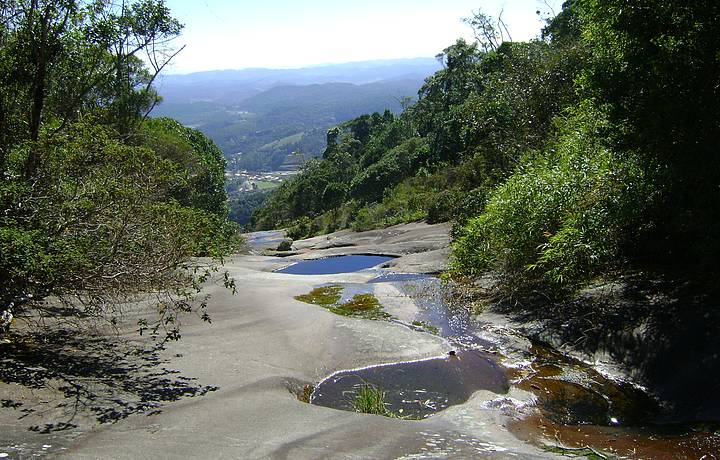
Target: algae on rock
pixel 361 305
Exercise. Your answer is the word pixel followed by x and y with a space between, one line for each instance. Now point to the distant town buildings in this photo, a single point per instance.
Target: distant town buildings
pixel 250 181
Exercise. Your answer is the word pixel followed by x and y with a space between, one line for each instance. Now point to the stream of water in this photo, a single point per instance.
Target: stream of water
pixel 576 405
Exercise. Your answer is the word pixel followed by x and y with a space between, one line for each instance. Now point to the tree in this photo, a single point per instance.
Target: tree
pixel 200 160
pixel 93 209
pixel 448 88
pixel 657 67
pixel 657 64
pixel 65 57
pixel 488 32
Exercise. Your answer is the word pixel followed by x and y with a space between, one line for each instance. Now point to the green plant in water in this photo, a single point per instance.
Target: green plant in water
pixel 371 400
pixel 361 305
pixel 426 326
pixel 325 296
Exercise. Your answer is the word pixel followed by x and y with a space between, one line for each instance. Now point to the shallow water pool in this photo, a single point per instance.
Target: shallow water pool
pixel 333 265
pixel 416 389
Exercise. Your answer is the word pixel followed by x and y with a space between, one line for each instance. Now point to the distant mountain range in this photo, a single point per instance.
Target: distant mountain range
pixel 259 117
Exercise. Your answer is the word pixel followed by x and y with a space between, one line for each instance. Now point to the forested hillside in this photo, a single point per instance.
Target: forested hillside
pixel 259 117
pixel 558 159
pixel 98 202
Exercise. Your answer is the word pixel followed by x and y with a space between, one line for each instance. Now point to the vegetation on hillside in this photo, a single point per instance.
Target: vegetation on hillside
pixel 261 132
pixel 558 159
pixel 97 202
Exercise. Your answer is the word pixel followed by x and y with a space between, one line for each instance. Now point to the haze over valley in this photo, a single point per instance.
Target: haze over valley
pixel 275 119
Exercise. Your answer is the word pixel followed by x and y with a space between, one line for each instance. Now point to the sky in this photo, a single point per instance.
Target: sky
pixel 237 34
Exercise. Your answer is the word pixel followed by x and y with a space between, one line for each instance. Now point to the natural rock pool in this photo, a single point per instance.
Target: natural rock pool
pixel 334 265
pixel 416 389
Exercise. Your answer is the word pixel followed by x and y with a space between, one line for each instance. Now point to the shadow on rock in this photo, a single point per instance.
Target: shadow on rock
pixel 101 377
pixel 665 332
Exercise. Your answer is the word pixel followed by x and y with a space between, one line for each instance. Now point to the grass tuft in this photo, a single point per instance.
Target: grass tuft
pixel 371 400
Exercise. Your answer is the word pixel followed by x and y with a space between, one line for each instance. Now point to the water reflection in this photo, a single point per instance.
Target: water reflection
pixel 416 389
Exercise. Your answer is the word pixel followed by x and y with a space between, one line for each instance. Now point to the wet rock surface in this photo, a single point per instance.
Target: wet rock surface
pixel 570 395
pixel 519 379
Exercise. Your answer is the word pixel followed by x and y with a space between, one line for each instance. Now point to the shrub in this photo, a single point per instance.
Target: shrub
pixel 444 206
pixel 371 400
pixel 100 223
pixel 565 215
pixel 407 202
pixel 285 245
pixel 300 229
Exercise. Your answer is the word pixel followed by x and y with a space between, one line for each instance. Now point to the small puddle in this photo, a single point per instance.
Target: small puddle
pixel 334 265
pixel 416 389
pixel 438 307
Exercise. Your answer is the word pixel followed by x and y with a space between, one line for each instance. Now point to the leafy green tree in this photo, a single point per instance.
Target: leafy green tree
pixel 97 222
pixel 565 215
pixel 197 156
pixel 489 33
pixel 396 164
pixel 93 210
pixel 443 92
pixel 66 57
pixel 243 204
pixel 657 66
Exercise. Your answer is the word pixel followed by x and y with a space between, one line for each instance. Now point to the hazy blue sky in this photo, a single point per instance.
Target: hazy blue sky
pixel 232 34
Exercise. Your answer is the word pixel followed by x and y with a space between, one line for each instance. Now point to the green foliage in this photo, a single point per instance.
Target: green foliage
pixel 557 159
pixel 565 215
pixel 657 63
pixel 99 218
pixel 98 205
pixel 63 58
pixel 406 202
pixel 435 111
pixel 301 228
pixel 198 157
pixel 285 245
pixel 444 206
pixel 243 204
pixel 394 166
pixel 371 400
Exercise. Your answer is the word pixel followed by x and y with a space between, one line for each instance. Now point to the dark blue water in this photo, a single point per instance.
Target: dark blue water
pixel 332 265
